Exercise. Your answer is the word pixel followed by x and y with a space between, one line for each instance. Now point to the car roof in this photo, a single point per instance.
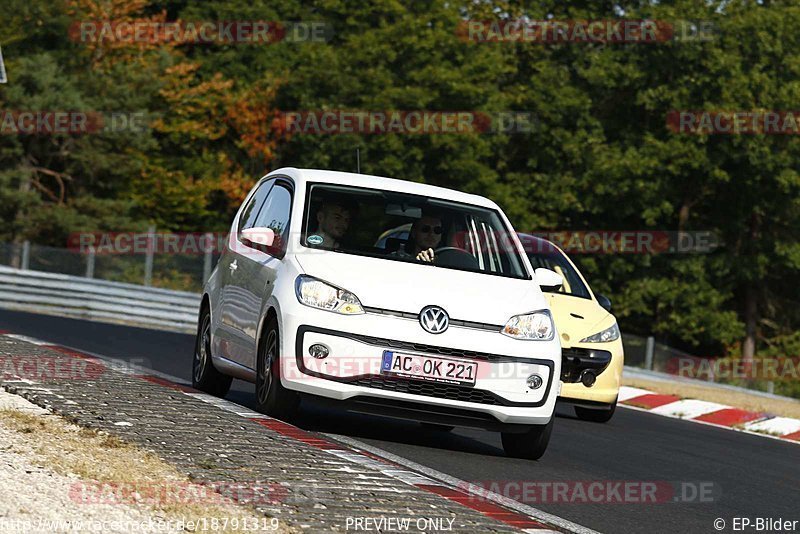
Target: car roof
pixel 379 182
pixel 533 244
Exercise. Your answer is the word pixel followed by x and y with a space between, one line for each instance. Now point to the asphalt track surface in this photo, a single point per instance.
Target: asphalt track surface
pixel 753 477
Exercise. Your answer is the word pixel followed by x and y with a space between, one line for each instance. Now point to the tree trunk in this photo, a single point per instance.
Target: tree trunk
pixel 751 298
pixel 683 216
pixel 16 238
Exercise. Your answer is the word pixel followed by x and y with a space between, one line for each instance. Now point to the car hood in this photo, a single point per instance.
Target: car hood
pixel 576 318
pixel 409 287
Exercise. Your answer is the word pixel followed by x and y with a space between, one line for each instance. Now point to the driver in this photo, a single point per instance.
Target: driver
pixel 424 237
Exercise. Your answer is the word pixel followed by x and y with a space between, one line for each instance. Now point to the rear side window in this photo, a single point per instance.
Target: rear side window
pixel 250 212
pixel 274 214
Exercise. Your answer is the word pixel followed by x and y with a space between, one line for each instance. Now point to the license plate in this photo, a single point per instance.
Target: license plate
pixel 444 370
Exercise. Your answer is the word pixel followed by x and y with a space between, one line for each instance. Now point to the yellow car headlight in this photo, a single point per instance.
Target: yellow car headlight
pixel 609 334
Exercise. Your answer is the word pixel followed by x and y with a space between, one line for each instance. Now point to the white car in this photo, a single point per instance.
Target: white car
pixel 448 328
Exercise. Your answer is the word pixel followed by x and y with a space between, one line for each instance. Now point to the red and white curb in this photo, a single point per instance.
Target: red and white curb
pixel 711 413
pixel 475 500
pixel 494 506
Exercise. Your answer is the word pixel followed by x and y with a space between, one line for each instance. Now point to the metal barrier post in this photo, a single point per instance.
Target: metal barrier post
pixel 26 255
pixel 90 257
pixel 649 351
pixel 148 259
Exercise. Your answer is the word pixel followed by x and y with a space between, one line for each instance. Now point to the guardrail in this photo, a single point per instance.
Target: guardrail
pixel 638 372
pixel 100 300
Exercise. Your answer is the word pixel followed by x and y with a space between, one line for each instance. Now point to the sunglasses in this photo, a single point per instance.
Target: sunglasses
pixel 426 229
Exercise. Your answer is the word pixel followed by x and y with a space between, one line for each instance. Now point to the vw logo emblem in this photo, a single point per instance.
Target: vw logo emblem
pixel 434 319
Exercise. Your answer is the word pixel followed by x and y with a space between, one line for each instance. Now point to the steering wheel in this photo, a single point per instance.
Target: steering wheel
pixel 454 257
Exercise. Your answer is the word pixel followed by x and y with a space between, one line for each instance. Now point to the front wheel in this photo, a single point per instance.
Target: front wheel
pixel 596 415
pixel 205 376
pixel 271 397
pixel 529 445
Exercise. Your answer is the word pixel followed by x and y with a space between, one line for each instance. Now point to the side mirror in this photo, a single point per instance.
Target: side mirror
pixel 604 302
pixel 548 279
pixel 259 238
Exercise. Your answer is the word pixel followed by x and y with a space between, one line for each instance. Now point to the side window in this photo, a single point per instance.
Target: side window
pixel 275 214
pixel 556 262
pixel 250 212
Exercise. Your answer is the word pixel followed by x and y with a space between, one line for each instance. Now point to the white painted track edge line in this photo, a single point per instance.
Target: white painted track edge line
pixel 517 506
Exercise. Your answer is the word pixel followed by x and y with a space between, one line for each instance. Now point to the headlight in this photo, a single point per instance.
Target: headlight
pixel 537 326
pixel 609 334
pixel 318 294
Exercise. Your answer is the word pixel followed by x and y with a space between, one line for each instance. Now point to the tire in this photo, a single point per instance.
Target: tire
pixel 271 397
pixel 529 445
pixel 595 415
pixel 437 427
pixel 205 376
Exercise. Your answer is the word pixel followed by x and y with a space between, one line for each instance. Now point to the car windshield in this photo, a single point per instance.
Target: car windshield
pixel 553 259
pixel 398 226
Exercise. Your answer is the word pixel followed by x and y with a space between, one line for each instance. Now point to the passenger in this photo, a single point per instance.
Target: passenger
pixel 424 236
pixel 333 221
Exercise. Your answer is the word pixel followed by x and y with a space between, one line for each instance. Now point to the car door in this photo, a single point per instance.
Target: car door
pixel 229 342
pixel 257 269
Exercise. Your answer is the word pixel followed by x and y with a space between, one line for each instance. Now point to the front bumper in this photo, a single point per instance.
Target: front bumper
pixel 606 388
pixel 357 343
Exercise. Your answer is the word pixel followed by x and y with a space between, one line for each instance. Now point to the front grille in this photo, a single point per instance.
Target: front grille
pixel 576 352
pixel 453 322
pixel 415 387
pixel 591 356
pixel 429 389
pixel 431 349
pixel 575 360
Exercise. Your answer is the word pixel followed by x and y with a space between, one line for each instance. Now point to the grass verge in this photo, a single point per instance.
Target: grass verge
pixel 102 460
pixel 736 399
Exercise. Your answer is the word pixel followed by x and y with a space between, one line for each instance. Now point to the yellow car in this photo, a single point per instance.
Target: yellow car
pixel 591 343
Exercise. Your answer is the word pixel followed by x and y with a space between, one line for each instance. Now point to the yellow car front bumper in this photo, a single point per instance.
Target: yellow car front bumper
pixel 606 388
